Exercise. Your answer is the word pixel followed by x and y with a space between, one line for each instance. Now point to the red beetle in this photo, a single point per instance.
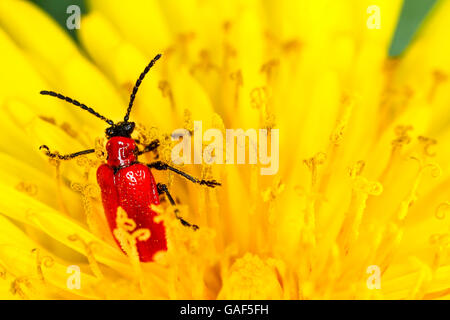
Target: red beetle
pixel 126 182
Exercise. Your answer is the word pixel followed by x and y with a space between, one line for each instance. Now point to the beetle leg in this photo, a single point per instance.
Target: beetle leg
pixel 159 165
pixel 150 147
pixel 70 156
pixel 162 188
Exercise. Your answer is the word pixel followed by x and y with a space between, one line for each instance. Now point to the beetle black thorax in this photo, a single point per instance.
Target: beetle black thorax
pixel 121 129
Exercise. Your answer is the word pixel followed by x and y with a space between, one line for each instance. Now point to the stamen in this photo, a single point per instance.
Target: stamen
pixel 88 191
pixel 48 119
pixel 356 169
pixel 440 243
pixel 387 243
pixel 47 261
pixel 313 163
pixel 270 194
pixel 87 164
pixel 229 51
pixel 389 67
pixel 388 104
pixel 259 99
pixel 347 104
pixel 442 210
pixel 188 123
pixel 3 272
pixel 184 39
pixel 292 46
pixel 67 128
pixel 227 26
pixel 123 222
pixel 425 276
pixel 435 171
pixel 88 247
pixel 437 238
pixel 16 287
pixel 29 188
pixel 439 78
pixel 269 68
pixel 166 91
pixel 250 277
pixel 373 188
pixel 100 150
pixel 427 144
pixel 205 65
pixel 127 234
pixel 146 136
pixel 362 188
pixel 239 82
pixel 57 164
pixel 217 122
pixel 403 138
pixel 412 196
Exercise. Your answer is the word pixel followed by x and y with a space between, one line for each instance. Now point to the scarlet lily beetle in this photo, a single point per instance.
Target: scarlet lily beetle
pixel 127 183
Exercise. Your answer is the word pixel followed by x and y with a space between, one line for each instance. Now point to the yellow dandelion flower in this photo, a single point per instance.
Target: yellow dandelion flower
pixel 357 208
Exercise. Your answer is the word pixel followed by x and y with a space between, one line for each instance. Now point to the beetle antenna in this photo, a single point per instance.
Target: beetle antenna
pixel 138 83
pixel 78 104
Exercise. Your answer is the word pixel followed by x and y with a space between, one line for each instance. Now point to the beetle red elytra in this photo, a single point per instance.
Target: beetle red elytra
pixel 127 183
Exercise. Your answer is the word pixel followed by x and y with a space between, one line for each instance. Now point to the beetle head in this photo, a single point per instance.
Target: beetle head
pixel 121 129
